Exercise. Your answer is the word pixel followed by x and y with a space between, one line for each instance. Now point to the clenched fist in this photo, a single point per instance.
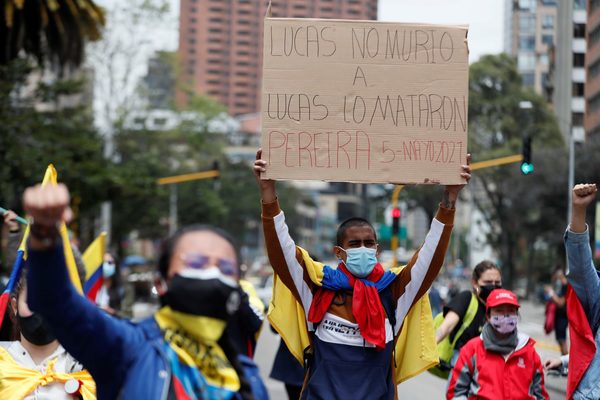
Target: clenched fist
pixel 584 194
pixel 48 206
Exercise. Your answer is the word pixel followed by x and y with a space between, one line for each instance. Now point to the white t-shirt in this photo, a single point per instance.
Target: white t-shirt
pixel 65 363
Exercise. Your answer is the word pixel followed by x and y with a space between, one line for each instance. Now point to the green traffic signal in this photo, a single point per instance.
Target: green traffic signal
pixel 526 168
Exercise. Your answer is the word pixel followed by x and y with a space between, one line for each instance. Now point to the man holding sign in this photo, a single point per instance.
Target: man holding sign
pixel 354 312
pixel 359 101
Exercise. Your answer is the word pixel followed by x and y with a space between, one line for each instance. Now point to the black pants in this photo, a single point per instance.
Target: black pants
pixel 293 391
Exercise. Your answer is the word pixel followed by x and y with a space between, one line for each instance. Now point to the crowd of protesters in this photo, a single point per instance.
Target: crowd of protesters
pixel 340 326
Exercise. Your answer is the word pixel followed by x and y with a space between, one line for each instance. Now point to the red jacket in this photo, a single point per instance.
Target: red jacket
pixel 481 374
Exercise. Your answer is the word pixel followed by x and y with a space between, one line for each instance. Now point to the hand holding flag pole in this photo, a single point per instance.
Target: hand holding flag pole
pixel 20 220
pixel 49 182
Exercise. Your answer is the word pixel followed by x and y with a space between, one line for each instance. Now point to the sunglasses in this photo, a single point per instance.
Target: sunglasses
pixel 200 261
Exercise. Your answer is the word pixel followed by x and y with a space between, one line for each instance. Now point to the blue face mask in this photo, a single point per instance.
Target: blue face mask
pixel 361 261
pixel 108 269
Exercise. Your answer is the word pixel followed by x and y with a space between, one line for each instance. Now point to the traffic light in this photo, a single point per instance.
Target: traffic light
pixel 216 181
pixel 527 164
pixel 395 221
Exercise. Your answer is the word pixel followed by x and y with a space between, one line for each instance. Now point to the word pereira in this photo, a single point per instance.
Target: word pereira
pixel 344 149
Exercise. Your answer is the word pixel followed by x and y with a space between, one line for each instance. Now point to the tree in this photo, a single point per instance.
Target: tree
pixel 193 145
pixel 48 30
pixel 127 42
pixel 511 204
pixel 39 128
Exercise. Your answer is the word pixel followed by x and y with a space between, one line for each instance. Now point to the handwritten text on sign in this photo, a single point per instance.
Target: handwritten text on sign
pixel 364 101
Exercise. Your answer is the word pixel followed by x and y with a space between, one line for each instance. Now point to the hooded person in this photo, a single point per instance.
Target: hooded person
pixel 178 353
pixel 502 362
pixel 353 313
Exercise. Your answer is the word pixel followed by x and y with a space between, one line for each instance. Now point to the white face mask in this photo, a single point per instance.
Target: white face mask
pixel 504 323
pixel 108 269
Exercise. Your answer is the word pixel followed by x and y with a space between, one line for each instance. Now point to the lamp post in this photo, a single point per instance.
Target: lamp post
pixel 571 173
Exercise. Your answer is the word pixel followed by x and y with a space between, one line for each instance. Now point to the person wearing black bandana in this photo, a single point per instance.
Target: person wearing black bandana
pixel 181 351
pixel 486 277
pixel 37 353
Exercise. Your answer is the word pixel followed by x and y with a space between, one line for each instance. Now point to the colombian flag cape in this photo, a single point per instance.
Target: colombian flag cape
pixel 19 382
pixel 199 367
pixel 50 178
pixel 583 346
pixel 415 352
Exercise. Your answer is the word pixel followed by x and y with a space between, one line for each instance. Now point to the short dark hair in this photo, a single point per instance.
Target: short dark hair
pixel 167 247
pixel 482 267
pixel 349 223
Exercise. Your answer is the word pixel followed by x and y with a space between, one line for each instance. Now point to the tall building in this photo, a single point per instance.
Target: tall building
pixel 592 85
pixel 220 44
pixel 159 82
pixel 568 71
pixel 530 31
pixel 547 37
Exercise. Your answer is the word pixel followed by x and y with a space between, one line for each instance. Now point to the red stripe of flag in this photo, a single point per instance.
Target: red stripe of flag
pixel 93 285
pixel 15 275
pixel 180 393
pixel 583 346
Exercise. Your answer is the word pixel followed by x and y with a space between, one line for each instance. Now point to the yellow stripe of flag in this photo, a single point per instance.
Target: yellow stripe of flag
pixel 93 256
pixel 50 177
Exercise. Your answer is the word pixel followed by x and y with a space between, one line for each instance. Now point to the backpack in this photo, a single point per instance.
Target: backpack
pixel 446 347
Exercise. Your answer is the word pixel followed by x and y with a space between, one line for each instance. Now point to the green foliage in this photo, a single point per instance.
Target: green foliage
pixel 42 124
pixel 521 210
pixel 231 202
pixel 53 31
pixel 497 124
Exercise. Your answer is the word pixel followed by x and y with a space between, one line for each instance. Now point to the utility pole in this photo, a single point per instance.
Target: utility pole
pixel 395 216
pixel 174 180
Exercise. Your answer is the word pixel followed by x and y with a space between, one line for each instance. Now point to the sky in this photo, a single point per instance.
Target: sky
pixel 484 17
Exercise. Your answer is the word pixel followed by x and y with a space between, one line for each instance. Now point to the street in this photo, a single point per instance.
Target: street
pixel 427 386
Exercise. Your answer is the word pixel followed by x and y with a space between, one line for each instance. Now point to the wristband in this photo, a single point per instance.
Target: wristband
pixel 45 234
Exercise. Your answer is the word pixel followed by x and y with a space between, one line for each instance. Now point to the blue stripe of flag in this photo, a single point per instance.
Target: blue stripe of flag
pixel 89 284
pixel 15 275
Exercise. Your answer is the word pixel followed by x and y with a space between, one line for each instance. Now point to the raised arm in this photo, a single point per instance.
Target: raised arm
pixel 414 280
pixel 581 273
pixel 285 258
pixel 13 231
pixel 101 343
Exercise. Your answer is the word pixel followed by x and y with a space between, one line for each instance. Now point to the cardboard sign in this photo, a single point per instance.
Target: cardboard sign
pixel 361 101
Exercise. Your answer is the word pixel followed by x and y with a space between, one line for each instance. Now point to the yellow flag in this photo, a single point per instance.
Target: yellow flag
pixel 93 256
pixel 50 178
